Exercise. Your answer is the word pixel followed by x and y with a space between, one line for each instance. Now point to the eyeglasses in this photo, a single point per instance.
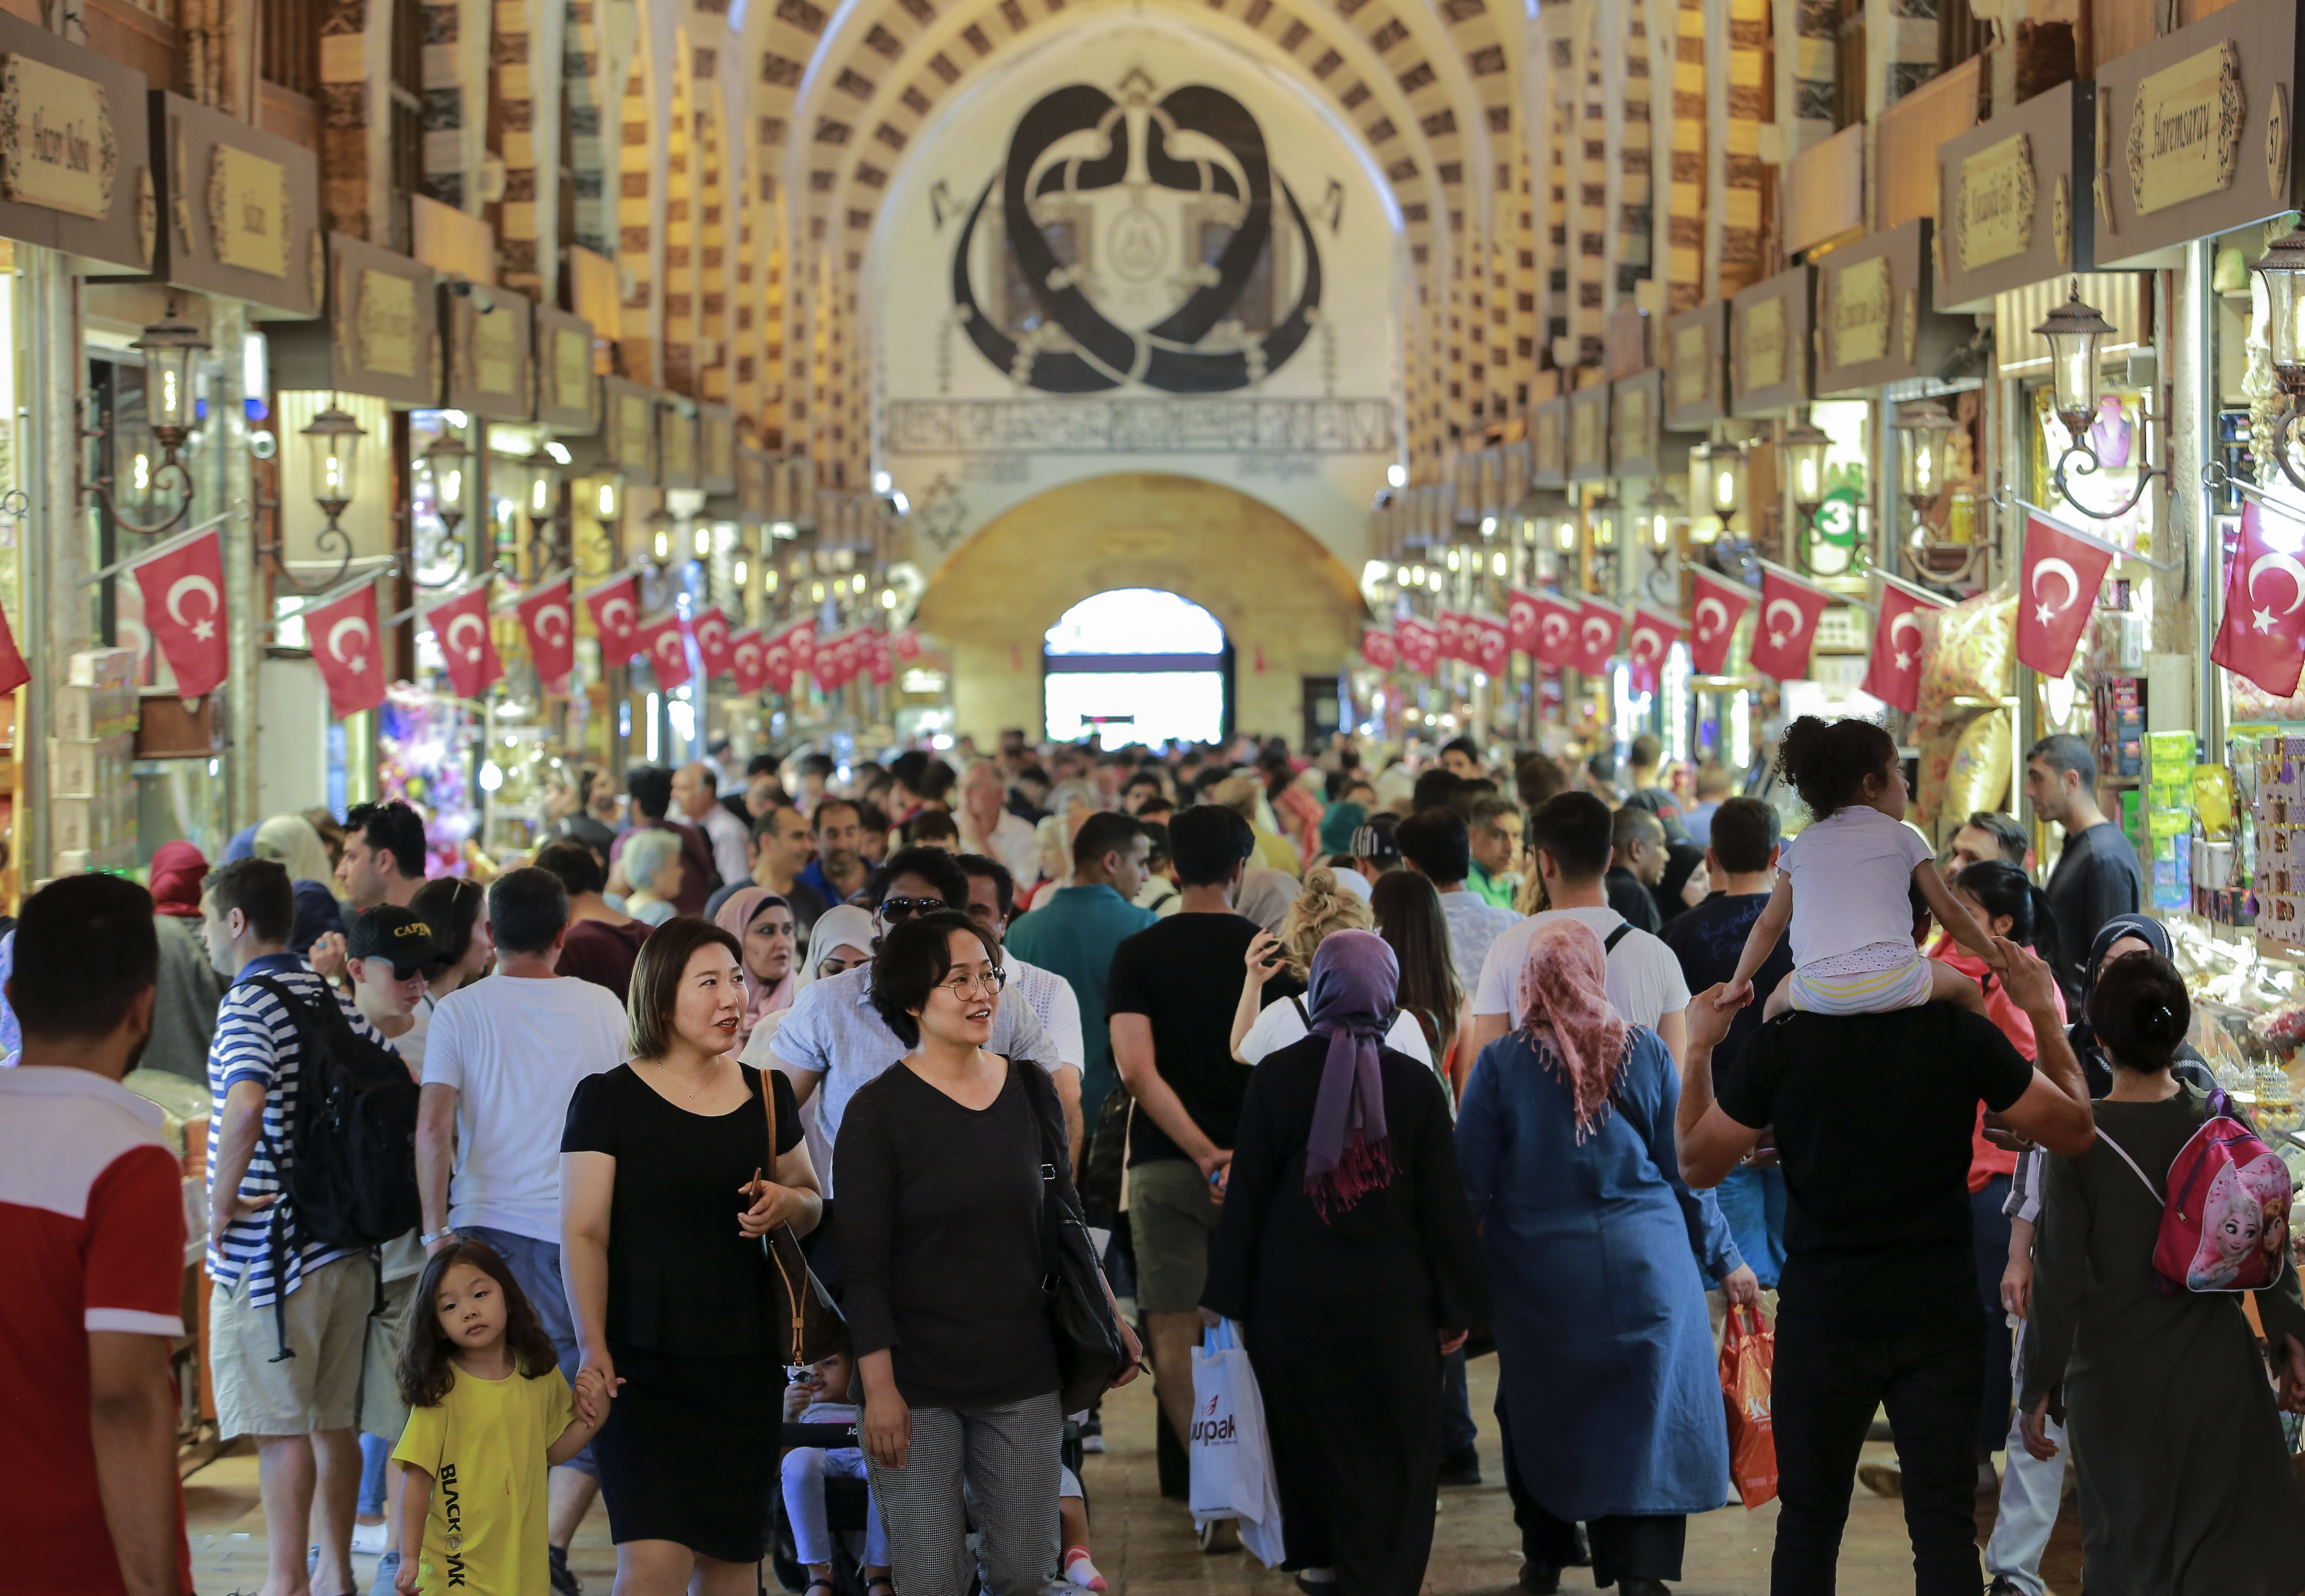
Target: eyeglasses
pixel 898 909
pixel 963 986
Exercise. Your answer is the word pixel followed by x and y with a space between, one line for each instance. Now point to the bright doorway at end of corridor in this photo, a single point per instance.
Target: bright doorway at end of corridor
pixel 1136 664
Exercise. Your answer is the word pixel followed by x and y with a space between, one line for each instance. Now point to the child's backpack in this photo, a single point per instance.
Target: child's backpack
pixel 2225 1224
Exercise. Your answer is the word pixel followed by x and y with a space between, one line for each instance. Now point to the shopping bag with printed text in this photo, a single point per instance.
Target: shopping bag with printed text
pixel 1748 1359
pixel 1231 1459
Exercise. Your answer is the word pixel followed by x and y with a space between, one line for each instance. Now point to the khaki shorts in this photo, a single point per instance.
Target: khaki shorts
pixel 319 1389
pixel 381 1410
pixel 1172 1217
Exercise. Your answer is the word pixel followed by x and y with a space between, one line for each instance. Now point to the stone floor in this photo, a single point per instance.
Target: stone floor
pixel 1145 1546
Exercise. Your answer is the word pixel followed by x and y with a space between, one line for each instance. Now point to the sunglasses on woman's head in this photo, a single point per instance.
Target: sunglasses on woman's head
pixel 896 909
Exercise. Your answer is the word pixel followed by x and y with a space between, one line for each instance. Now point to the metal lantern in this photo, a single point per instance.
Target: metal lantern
pixel 449 461
pixel 333 446
pixel 2075 332
pixel 543 483
pixel 1805 447
pixel 1927 426
pixel 170 347
pixel 2283 268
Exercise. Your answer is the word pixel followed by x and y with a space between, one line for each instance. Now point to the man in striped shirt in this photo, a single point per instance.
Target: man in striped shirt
pixel 286 1326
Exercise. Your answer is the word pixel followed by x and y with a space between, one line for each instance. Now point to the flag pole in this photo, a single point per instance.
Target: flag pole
pixel 167 545
pixel 321 600
pixel 1912 589
pixel 2091 539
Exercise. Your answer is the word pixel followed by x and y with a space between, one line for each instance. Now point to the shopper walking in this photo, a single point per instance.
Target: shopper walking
pixel 1407 914
pixel 601 942
pixel 697 796
pixel 383 860
pixel 668 1185
pixel 987 828
pixel 992 905
pixel 2096 876
pixel 941 1164
pixel 650 789
pixel 1073 931
pixel 762 924
pixel 189 989
pixel 1438 847
pixel 1347 1254
pixel 838 871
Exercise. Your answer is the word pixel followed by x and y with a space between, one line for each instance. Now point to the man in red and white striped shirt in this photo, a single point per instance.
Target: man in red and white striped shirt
pixel 92 1247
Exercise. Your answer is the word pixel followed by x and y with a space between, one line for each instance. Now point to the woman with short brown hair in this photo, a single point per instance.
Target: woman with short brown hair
pixel 663 1203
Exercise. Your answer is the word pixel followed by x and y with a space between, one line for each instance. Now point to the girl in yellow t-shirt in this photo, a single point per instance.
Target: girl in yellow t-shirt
pixel 489 1411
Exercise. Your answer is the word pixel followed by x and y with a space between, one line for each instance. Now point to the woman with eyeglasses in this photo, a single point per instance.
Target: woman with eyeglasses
pixel 940 1166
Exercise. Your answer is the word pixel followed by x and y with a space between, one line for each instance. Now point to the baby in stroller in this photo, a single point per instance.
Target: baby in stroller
pixel 819 1394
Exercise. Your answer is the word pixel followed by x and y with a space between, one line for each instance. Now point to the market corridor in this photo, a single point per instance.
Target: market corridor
pixel 1145 1545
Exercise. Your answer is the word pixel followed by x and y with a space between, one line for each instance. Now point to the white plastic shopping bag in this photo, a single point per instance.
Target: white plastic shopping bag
pixel 1231 1460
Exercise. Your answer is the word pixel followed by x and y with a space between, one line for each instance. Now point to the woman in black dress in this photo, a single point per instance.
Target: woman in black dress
pixel 663 1203
pixel 1348 1253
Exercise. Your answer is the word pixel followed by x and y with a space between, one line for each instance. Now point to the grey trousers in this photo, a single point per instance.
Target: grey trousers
pixel 1007 1459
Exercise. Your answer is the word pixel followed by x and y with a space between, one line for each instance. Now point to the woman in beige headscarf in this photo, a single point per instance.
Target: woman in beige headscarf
pixel 292 840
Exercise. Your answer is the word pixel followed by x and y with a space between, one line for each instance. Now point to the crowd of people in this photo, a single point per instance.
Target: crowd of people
pixel 1391 1065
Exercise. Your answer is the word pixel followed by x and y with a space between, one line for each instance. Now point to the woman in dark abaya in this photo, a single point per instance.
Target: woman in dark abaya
pixel 1349 1256
pixel 1605 1350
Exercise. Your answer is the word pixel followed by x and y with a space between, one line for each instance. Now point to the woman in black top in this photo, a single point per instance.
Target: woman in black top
pixel 663 1203
pixel 940 1166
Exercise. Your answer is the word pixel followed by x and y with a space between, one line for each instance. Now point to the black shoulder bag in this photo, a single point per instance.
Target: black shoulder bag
pixel 1090 1353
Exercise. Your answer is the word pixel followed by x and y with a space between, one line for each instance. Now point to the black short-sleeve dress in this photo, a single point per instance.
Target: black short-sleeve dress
pixel 688 1454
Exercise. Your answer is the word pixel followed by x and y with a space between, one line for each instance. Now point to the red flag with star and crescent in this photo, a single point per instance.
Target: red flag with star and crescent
pixel 1377 649
pixel 1790 611
pixel 184 610
pixel 1716 606
pixel 884 657
pixel 2056 592
pixel 2262 636
pixel 1599 626
pixel 909 643
pixel 665 645
pixel 748 661
pixel 1522 608
pixel 800 638
pixel 777 661
pixel 1485 644
pixel 346 648
pixel 14 672
pixel 1893 674
pixel 1556 630
pixel 546 616
pixel 1420 643
pixel 711 630
pixel 1652 637
pixel 461 628
pixel 1450 625
pixel 616 607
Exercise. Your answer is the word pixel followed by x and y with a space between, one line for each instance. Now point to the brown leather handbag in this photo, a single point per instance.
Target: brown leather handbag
pixel 810 1326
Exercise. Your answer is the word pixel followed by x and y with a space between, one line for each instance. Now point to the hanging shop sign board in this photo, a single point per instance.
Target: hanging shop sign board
pixel 2007 192
pixel 1548 430
pixel 1588 434
pixel 625 443
pixel 567 394
pixel 75 150
pixel 1641 444
pixel 492 336
pixel 2195 133
pixel 378 334
pixel 754 477
pixel 239 211
pixel 675 442
pixel 1875 319
pixel 1695 357
pixel 716 445
pixel 1769 343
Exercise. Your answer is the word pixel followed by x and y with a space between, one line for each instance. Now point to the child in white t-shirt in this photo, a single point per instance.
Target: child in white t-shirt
pixel 1845 886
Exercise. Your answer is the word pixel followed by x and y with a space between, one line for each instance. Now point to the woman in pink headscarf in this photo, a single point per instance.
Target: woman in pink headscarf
pixel 1608 1394
pixel 762 924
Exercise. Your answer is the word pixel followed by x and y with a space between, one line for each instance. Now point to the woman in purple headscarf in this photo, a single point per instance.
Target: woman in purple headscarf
pixel 1347 1254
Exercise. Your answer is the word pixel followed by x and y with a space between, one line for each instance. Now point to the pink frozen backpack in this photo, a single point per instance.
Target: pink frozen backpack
pixel 2225 1225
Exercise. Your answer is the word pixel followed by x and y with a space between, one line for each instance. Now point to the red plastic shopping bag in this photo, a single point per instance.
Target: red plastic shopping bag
pixel 1748 1358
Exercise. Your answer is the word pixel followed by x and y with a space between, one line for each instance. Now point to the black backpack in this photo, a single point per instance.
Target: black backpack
pixel 352 1182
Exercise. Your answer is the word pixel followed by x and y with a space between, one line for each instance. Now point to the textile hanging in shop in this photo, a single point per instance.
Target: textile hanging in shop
pixel 665 643
pixel 346 647
pixel 711 630
pixel 2056 592
pixel 1720 604
pixel 1556 630
pixel 546 616
pixel 182 584
pixel 1653 634
pixel 1790 611
pixel 616 609
pixel 14 672
pixel 1522 608
pixel 1599 626
pixel 1378 651
pixel 1420 644
pixel 2262 636
pixel 461 627
pixel 1893 674
pixel 777 661
pixel 748 661
pixel 1484 643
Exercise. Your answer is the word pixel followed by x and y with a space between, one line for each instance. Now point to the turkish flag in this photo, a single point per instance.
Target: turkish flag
pixel 2262 636
pixel 884 657
pixel 347 648
pixel 824 663
pixel 184 610
pixel 777 661
pixel 2056 592
pixel 461 628
pixel 712 630
pixel 551 627
pixel 1484 639
pixel 1556 630
pixel 1450 625
pixel 1378 650
pixel 666 646
pixel 1522 608
pixel 801 638
pixel 908 644
pixel 1598 627
pixel 1790 611
pixel 1418 641
pixel 616 607
pixel 1653 638
pixel 748 661
pixel 1719 605
pixel 1893 676
pixel 842 648
pixel 14 672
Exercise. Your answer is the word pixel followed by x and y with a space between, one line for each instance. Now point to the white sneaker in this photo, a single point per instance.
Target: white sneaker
pixel 368 1539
